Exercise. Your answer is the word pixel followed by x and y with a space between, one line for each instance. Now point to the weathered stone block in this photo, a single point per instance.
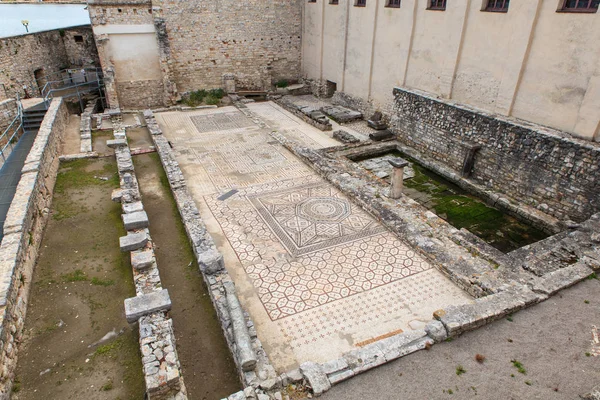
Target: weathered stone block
pixel 132 207
pixel 142 259
pixel 136 307
pixel 317 379
pixel 135 220
pixel 114 143
pixel 436 331
pixel 133 241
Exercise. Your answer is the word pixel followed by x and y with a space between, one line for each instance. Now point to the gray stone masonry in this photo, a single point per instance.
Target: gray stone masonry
pixel 135 220
pixel 542 167
pixel 345 137
pixel 157 340
pixel 86 126
pixel 244 351
pixel 142 259
pixel 133 241
pixel 136 307
pixel 341 114
pixel 23 231
pixel 310 115
pixel 114 143
pixel 132 207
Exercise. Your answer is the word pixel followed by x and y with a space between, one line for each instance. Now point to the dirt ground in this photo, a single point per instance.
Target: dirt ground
pixel 99 139
pixel 208 368
pixel 77 343
pixel 552 341
pixel 72 139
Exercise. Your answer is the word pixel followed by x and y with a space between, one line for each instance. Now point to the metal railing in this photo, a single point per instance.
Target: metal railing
pixel 74 83
pixel 11 135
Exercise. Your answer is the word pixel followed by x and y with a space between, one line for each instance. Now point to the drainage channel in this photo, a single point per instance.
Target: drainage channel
pixel 207 366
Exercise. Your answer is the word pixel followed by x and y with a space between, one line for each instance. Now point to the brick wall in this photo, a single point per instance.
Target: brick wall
pixel 539 166
pixel 53 50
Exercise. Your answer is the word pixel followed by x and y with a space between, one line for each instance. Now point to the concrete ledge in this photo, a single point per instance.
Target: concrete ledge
pixel 136 307
pixel 133 241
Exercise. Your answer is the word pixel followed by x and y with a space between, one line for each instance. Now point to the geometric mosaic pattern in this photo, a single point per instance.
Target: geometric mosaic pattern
pixel 287 285
pixel 370 308
pixel 221 122
pixel 313 217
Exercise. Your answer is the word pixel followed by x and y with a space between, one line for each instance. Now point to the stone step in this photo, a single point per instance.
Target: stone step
pixel 135 220
pixel 133 241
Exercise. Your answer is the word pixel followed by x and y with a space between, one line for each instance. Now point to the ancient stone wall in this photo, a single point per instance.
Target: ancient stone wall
pixel 50 51
pixel 8 111
pixel 539 166
pixel 258 41
pixel 140 94
pixel 23 231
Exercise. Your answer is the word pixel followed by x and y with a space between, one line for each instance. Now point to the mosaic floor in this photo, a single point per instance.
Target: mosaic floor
pixel 317 273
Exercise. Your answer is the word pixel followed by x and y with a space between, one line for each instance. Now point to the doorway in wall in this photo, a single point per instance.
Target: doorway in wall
pixel 40 78
pixel 331 88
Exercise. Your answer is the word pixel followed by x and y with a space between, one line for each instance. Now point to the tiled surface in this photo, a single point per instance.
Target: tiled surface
pixel 317 273
pixel 316 270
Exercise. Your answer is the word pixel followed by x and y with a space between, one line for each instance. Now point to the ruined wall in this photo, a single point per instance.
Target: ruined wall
pixel 8 111
pixel 51 51
pixel 256 40
pixel 23 231
pixel 129 53
pixel 538 166
pixel 531 62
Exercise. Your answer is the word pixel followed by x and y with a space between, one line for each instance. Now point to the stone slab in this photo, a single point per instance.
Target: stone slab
pixel 129 208
pixel 133 241
pixel 135 220
pixel 316 377
pixel 141 260
pixel 137 307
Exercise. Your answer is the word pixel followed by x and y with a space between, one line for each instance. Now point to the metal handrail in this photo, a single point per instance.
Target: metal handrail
pixel 16 130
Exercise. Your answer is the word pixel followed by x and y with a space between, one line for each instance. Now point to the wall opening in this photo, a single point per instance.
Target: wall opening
pixel 40 78
pixel 78 38
pixel 331 88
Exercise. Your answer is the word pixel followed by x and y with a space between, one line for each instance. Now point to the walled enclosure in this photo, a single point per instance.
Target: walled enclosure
pixel 154 50
pixel 23 231
pixel 531 63
pixel 51 51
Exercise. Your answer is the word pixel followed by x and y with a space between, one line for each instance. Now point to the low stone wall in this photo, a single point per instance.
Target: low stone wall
pixel 539 166
pixel 85 129
pixel 150 306
pixel 23 232
pixel 306 118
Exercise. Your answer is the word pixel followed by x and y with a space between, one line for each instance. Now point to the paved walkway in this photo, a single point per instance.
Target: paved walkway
pixel 318 274
pixel 10 174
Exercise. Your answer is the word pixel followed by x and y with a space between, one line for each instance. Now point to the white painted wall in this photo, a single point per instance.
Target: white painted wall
pixel 134 56
pixel 531 63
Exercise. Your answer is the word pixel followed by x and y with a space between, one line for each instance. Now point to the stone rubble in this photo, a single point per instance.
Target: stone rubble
pixel 345 137
pixel 310 115
pixel 341 114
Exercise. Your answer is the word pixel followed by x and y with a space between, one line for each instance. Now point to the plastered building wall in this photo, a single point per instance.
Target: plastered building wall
pixel 532 63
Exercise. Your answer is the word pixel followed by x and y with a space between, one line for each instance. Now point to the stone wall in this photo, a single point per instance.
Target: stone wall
pixel 257 41
pixel 140 94
pixel 23 232
pixel 539 166
pixel 51 51
pixel 8 111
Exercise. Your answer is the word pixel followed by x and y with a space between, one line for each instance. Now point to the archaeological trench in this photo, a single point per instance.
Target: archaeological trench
pixel 274 248
pixel 200 226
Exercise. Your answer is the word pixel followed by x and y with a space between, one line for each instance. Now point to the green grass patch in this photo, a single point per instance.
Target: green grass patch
pixel 460 370
pixel 519 366
pixel 75 276
pixel 282 83
pixel 102 282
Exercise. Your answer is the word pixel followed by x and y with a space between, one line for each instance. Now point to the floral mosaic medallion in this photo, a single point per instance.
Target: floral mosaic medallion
pixel 313 217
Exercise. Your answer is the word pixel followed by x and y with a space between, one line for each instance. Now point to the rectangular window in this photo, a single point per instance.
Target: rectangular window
pixel 360 3
pixel 437 5
pixel 78 38
pixel 334 1
pixel 585 6
pixel 497 5
pixel 393 3
pixel 312 1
